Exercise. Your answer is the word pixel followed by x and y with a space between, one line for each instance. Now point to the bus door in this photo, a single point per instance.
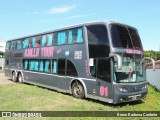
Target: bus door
pixel 104 83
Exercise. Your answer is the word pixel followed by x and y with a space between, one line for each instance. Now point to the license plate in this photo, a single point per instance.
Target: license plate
pixel 134 97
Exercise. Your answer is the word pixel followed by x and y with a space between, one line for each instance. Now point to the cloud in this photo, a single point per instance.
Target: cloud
pixel 63 9
pixel 76 16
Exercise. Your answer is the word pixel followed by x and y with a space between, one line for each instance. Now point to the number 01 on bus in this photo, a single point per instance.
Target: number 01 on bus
pixel 98 60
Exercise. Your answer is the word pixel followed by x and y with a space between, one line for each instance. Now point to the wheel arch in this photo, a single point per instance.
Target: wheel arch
pixel 83 84
pixel 20 72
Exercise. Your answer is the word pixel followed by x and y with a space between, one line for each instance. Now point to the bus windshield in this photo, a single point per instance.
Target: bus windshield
pixel 132 70
pixel 125 37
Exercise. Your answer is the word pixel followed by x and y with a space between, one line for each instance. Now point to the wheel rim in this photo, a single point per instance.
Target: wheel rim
pixel 13 77
pixel 78 90
pixel 20 78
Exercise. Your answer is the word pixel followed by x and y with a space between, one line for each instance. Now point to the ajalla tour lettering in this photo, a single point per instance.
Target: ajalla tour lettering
pixel 35 52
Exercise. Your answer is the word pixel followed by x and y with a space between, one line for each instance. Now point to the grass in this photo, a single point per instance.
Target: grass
pixel 24 97
pixel 1 71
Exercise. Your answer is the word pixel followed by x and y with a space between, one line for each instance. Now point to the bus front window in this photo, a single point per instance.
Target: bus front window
pixel 131 70
pixel 125 37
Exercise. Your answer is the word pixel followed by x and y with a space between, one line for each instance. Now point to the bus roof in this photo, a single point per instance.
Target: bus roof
pixel 69 27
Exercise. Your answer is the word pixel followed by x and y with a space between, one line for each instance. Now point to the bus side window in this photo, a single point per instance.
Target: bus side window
pixel 41 66
pixel 25 65
pixel 79 36
pixel 13 45
pixel 60 38
pixel 92 64
pixel 19 44
pixel 50 39
pixel 75 36
pixel 71 70
pixel 8 45
pixel 103 70
pixel 61 66
pixel 36 41
pixel 47 67
pixel 47 40
pixel 54 66
pixel 26 43
pixel 33 65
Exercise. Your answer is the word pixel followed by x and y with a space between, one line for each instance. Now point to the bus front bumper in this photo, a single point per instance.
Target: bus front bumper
pixel 121 97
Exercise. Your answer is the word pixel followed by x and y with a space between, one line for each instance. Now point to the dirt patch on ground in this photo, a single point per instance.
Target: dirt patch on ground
pixel 5 80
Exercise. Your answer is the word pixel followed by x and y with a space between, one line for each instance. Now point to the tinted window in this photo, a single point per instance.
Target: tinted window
pixel 47 40
pixel 71 70
pixel 25 65
pixel 33 65
pixel 120 37
pixel 36 41
pixel 93 67
pixel 103 70
pixel 61 67
pixel 45 66
pixel 26 43
pixel 54 66
pixel 13 45
pixel 135 38
pixel 60 38
pixel 97 34
pixel 75 36
pixel 19 44
pixel 8 45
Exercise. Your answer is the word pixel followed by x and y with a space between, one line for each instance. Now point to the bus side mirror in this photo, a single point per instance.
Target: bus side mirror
pixel 119 58
pixel 153 62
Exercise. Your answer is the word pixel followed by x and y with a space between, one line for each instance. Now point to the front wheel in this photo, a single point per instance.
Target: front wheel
pixel 78 90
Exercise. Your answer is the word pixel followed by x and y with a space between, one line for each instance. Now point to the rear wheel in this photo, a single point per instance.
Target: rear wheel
pixel 14 78
pixel 78 90
pixel 20 78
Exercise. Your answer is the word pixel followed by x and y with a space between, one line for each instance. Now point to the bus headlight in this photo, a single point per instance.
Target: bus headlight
pixel 144 87
pixel 122 89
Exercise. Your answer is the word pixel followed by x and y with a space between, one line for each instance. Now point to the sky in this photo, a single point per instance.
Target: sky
pixel 25 17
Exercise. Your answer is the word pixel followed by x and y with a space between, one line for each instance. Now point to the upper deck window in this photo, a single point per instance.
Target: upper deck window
pixel 13 45
pixel 120 37
pixel 60 38
pixel 97 34
pixel 19 44
pixel 8 45
pixel 26 43
pixel 36 41
pixel 125 37
pixel 135 38
pixel 75 36
pixel 47 40
pixel 98 41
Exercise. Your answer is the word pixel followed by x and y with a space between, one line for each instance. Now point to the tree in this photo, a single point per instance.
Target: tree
pixel 2 54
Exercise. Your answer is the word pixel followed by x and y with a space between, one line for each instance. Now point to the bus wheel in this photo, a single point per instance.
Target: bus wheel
pixel 20 79
pixel 77 90
pixel 14 78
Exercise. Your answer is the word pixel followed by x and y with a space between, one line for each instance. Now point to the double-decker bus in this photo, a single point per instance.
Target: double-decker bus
pixel 98 60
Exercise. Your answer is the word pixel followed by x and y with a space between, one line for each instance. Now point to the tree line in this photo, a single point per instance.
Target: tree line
pixel 153 54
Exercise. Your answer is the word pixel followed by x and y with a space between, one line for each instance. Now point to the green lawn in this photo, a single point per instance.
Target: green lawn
pixel 24 97
pixel 1 71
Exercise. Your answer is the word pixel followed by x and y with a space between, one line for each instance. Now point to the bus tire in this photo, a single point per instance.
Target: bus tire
pixel 78 90
pixel 20 78
pixel 14 78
